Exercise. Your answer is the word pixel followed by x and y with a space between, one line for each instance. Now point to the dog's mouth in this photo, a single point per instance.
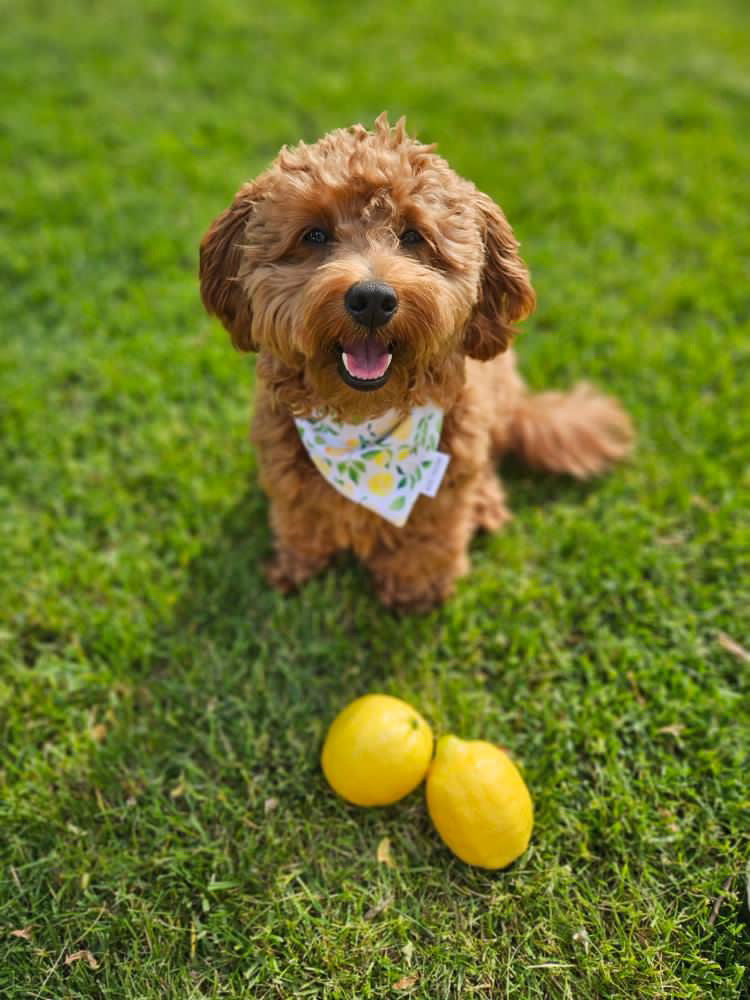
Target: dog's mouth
pixel 365 363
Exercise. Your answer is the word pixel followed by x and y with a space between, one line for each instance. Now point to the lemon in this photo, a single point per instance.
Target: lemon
pixel 382 483
pixel 479 802
pixel 377 750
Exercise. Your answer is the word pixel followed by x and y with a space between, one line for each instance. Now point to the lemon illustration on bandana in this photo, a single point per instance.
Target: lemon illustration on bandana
pixel 383 464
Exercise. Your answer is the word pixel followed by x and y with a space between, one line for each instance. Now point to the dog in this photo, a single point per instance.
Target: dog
pixel 380 290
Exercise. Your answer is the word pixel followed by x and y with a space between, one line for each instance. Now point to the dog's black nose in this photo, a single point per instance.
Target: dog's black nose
pixel 371 303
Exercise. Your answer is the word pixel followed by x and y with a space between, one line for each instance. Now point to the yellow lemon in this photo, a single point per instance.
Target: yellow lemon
pixel 380 457
pixel 377 750
pixel 382 483
pixel 479 802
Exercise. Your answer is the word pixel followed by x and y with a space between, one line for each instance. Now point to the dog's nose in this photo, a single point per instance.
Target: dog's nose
pixel 371 303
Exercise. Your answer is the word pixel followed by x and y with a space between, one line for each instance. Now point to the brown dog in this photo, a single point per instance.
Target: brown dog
pixel 379 289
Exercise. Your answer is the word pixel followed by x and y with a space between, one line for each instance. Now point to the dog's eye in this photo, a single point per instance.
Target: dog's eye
pixel 410 236
pixel 316 235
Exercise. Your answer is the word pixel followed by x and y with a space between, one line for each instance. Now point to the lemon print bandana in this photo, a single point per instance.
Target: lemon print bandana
pixel 383 464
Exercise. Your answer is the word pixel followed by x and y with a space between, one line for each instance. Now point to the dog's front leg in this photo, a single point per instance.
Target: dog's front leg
pixel 416 567
pixel 306 532
pixel 303 546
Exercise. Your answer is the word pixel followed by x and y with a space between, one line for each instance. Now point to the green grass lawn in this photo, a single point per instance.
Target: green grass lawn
pixel 161 712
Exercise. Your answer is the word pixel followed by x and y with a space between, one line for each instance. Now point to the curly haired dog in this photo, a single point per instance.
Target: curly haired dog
pixel 373 280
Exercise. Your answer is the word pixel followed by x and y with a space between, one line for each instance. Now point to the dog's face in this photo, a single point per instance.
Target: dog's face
pixel 365 269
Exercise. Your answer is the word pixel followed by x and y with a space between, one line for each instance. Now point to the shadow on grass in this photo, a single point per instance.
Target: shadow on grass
pixel 528 488
pixel 332 638
pixel 305 645
pixel 293 661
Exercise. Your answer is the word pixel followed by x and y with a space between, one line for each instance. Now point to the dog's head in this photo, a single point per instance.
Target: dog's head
pixel 364 269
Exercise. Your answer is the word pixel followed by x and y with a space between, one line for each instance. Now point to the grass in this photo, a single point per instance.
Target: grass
pixel 161 712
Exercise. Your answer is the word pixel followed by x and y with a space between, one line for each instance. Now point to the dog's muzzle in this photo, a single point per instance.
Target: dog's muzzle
pixel 365 361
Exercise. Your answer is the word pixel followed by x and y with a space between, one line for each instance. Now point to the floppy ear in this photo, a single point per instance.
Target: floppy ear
pixel 220 258
pixel 505 293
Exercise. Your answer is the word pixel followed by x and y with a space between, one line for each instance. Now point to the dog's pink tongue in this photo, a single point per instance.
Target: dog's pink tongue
pixel 368 358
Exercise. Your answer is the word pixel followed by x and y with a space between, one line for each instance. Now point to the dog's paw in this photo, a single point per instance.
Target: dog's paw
pixel 412 594
pixel 415 602
pixel 278 578
pixel 287 570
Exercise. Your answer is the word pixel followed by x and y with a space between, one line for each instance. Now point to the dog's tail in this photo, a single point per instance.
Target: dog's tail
pixel 579 433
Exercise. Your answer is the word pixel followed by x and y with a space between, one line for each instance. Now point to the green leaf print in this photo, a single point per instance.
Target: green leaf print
pixel 398 503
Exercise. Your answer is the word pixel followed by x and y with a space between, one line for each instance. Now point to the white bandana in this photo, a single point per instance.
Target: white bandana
pixel 383 464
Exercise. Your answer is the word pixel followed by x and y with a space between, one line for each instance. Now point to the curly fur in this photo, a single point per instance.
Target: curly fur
pixel 460 291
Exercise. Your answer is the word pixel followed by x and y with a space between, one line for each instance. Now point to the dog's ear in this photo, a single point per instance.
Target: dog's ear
pixel 220 258
pixel 505 293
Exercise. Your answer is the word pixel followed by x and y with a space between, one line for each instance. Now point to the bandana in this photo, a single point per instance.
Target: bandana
pixel 383 464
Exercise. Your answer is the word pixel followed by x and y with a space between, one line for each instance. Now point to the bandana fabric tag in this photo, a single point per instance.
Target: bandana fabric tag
pixel 435 474
pixel 383 464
